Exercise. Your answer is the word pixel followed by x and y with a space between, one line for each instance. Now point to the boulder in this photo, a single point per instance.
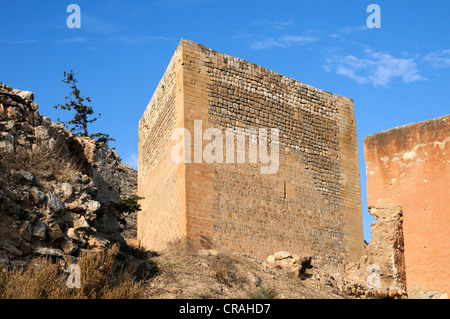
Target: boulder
pixel 10 248
pixel 73 234
pixel 81 224
pixel 98 242
pixel 25 175
pixel 40 230
pixel 44 251
pixel 68 246
pixel 25 230
pixel 37 195
pixel 54 204
pixel 55 232
pixel 26 95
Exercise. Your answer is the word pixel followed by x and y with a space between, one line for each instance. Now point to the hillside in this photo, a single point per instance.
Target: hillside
pixel 59 193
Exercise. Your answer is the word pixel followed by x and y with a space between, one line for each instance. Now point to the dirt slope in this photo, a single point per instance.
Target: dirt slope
pixel 187 273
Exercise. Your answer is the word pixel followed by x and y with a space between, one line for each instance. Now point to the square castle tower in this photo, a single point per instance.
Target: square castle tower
pixel 308 202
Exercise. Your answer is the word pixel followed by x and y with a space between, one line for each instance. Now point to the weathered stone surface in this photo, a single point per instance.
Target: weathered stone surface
pixel 92 206
pixel 73 234
pixel 26 95
pixel 55 232
pixel 41 133
pixel 37 195
pixel 10 248
pixel 27 176
pixel 81 224
pixel 296 265
pixel 68 246
pixel 66 190
pixel 104 170
pixel 49 252
pixel 383 266
pixel 282 255
pixel 98 242
pixel 40 230
pixel 54 203
pixel 25 230
pixel 6 146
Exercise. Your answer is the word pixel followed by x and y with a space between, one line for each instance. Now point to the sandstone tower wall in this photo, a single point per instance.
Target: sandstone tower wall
pixel 160 180
pixel 311 205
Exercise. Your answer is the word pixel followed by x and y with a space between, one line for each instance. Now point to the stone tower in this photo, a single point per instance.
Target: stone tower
pixel 309 204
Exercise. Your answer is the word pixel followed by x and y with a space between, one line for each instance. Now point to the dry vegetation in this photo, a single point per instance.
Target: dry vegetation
pixel 56 163
pixel 100 279
pixel 179 272
pixel 187 273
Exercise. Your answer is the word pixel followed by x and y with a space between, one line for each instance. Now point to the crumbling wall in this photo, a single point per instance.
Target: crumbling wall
pixel 58 191
pixel 409 167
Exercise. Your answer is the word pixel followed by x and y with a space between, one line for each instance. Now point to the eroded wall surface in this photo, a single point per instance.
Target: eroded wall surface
pixel 160 180
pixel 409 167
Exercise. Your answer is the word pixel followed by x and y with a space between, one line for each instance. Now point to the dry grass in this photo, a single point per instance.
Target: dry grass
pixel 43 161
pixel 225 272
pixel 100 279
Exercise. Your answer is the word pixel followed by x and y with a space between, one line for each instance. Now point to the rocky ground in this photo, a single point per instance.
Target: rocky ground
pixel 128 188
pixel 59 193
pixel 183 272
pixel 187 273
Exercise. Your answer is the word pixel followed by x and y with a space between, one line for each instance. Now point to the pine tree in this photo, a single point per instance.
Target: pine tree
pixel 83 112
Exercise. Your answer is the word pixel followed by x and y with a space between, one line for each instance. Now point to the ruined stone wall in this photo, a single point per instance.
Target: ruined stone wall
pixel 58 191
pixel 381 271
pixel 312 204
pixel 409 167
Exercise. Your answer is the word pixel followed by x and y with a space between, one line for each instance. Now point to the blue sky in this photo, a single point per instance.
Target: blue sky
pixel 397 74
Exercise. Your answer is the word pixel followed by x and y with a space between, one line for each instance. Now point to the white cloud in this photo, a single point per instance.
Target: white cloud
pixel 439 60
pixel 18 41
pixel 136 39
pixel 72 40
pixel 276 25
pixel 283 41
pixel 97 24
pixel 376 68
pixel 348 30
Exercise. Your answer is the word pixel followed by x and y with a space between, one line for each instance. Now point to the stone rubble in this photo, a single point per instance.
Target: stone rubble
pixel 46 215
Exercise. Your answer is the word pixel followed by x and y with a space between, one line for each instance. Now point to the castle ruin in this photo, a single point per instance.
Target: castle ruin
pixel 310 205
